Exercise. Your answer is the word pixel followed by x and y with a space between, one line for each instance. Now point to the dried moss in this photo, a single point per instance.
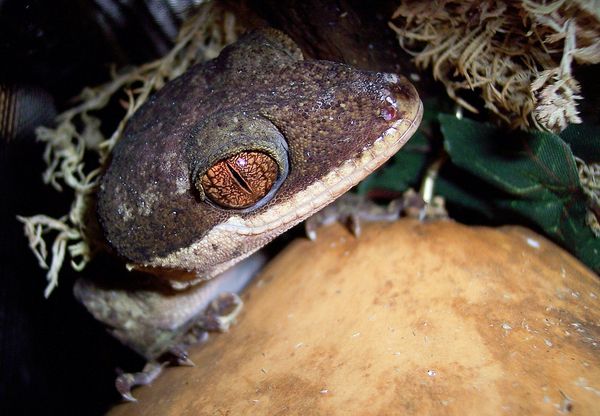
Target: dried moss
pixel 517 54
pixel 589 177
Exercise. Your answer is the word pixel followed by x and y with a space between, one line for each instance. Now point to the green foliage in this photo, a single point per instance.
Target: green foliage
pixel 498 176
pixel 584 140
pixel 532 175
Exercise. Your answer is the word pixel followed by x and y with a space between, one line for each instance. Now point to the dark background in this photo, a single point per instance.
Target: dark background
pixel 54 358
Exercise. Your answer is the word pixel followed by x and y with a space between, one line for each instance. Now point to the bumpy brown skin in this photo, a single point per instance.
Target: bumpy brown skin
pixel 259 94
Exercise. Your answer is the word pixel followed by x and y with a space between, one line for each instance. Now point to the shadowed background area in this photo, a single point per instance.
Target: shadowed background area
pixel 53 357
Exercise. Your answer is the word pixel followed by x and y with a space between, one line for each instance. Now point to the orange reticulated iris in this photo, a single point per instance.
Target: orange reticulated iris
pixel 241 180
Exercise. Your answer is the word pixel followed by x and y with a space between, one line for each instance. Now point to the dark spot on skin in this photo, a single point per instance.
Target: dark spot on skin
pixel 215 247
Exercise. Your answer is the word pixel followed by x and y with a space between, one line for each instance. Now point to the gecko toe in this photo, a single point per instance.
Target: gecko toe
pixel 222 312
pixel 181 356
pixel 126 381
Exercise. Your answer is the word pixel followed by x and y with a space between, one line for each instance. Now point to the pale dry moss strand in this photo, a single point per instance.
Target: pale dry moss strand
pixel 589 177
pixel 200 38
pixel 517 54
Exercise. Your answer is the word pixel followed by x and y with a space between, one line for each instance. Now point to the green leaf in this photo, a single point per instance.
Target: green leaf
pixel 584 140
pixel 465 198
pixel 532 175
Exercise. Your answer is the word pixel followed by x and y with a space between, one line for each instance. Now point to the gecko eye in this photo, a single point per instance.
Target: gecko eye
pixel 239 181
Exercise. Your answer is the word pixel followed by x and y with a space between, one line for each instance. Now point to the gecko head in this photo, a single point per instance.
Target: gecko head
pixel 238 150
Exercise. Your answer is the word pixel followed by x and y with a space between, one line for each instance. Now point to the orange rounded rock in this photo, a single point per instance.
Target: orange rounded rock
pixel 408 319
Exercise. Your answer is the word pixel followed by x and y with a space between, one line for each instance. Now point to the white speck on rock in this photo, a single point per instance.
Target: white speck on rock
pixel 583 383
pixel 431 373
pixel 533 243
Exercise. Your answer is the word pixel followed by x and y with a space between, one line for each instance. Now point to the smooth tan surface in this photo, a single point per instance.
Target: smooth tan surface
pixel 411 318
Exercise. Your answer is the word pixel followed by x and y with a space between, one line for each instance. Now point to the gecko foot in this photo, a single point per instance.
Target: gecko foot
pixel 180 353
pixel 218 316
pixel 126 381
pixel 416 207
pixel 352 210
pixel 177 355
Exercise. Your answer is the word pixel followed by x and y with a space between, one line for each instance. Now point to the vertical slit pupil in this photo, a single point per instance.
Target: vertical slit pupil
pixel 238 178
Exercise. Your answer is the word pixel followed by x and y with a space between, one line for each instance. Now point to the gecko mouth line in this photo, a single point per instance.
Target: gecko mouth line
pixel 333 184
pixel 250 233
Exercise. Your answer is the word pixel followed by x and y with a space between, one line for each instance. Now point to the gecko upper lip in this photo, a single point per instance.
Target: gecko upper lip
pixel 339 181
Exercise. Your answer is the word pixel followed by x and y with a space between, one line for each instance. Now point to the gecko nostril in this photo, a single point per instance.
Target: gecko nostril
pixel 389 113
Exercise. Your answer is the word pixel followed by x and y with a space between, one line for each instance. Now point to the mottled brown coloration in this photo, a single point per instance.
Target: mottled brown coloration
pixel 410 319
pixel 239 181
pixel 258 95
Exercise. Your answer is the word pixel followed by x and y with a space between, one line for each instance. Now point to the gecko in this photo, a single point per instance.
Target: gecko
pixel 215 165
